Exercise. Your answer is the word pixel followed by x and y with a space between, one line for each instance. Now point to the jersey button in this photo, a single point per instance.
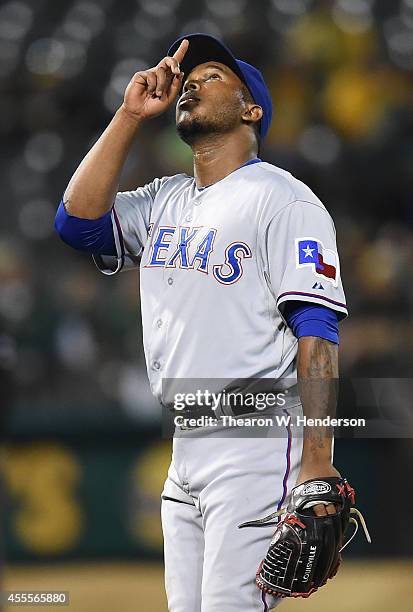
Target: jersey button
pixel 170 281
pixel 188 218
pixel 156 365
pixel 159 323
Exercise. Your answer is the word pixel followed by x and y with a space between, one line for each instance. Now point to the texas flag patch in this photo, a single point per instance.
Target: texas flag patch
pixel 310 252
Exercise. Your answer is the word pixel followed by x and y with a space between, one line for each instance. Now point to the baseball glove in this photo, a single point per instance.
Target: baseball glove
pixel 306 549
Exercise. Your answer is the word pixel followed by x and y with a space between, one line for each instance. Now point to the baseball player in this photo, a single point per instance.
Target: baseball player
pixel 240 281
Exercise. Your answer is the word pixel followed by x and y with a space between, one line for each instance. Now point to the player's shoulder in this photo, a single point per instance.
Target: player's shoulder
pixel 173 182
pixel 161 186
pixel 283 188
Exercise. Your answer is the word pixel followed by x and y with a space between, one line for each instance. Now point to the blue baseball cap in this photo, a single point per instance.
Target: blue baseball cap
pixel 205 48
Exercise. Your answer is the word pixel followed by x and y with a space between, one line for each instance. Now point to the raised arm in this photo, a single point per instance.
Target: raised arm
pixel 92 188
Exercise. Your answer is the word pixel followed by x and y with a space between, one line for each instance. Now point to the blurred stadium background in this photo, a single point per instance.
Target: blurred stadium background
pixel 83 462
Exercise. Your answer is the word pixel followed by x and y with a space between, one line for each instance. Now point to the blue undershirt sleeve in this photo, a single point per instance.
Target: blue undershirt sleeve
pixel 90 235
pixel 309 319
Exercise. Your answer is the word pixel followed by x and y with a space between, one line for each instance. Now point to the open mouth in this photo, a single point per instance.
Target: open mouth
pixel 188 101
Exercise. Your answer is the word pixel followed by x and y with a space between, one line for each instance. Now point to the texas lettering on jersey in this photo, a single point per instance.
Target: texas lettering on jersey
pixel 220 263
pixel 193 252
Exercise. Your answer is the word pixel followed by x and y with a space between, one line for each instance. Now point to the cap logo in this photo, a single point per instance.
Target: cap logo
pixel 316 488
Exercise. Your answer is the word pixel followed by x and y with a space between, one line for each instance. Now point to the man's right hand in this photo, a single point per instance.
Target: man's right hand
pixel 92 189
pixel 151 92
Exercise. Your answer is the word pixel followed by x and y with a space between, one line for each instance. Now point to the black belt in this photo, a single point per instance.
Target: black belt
pixel 238 409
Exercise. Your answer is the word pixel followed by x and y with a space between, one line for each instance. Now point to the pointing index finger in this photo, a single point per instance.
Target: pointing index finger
pixel 181 51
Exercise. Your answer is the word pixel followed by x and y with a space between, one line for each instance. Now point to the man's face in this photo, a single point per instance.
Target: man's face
pixel 211 102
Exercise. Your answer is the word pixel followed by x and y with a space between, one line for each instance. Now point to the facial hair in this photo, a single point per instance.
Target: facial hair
pixel 194 127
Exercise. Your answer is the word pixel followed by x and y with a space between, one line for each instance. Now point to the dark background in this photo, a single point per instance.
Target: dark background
pixel 84 464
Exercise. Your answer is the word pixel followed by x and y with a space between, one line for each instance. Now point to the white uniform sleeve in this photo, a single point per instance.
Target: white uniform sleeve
pixel 302 259
pixel 131 215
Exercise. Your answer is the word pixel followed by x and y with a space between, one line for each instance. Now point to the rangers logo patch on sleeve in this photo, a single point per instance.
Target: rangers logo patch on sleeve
pixel 310 252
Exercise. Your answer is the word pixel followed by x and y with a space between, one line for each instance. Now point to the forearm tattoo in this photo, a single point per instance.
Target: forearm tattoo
pixel 318 387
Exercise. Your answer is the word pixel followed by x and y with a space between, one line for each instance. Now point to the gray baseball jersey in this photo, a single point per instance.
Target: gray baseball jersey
pixel 216 267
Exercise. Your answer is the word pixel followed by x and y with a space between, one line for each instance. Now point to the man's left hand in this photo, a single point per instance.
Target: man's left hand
pixel 318 472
